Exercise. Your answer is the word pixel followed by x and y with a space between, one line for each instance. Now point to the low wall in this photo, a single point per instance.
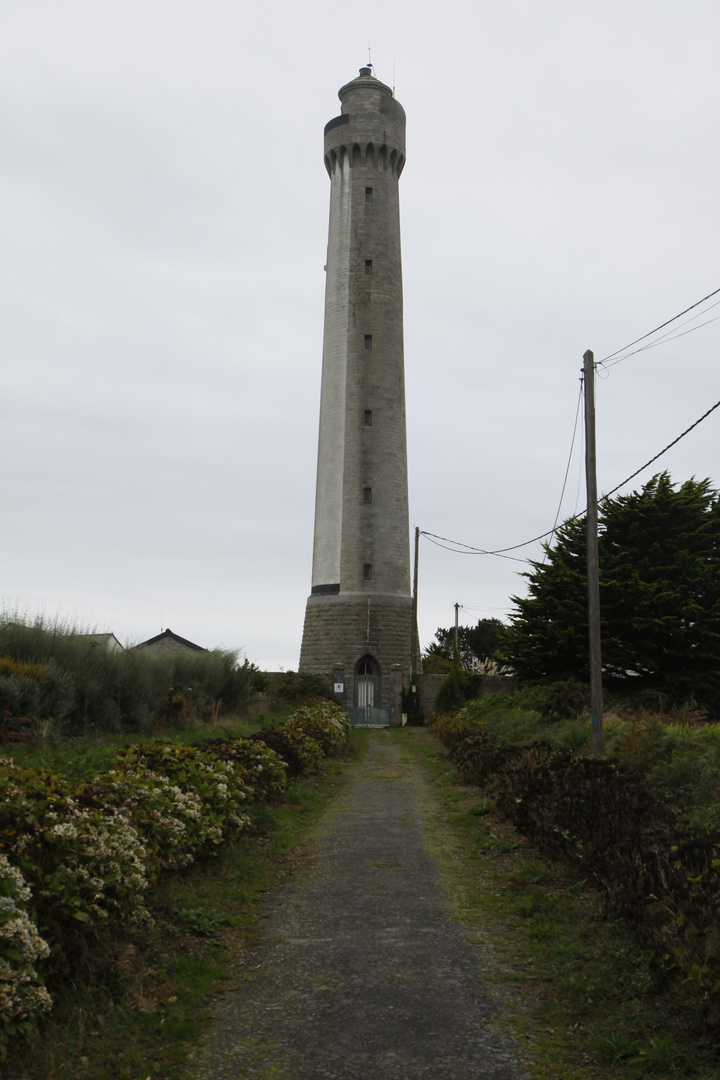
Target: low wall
pixel 428 687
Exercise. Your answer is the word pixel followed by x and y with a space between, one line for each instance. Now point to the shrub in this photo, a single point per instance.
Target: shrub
pixel 457 687
pixel 85 867
pixel 619 821
pixel 595 813
pixel 681 922
pixel 312 732
pixel 220 788
pixel 84 854
pixel 23 997
pixel 294 687
pixel 169 820
pixel 297 749
pixel 452 727
pixel 263 769
pixel 325 722
pixel 15 669
pixel 563 699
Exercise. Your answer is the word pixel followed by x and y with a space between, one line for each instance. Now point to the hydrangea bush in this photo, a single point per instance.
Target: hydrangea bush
pixel 76 860
pixel 317 729
pixel 325 722
pixel 221 788
pixel 23 997
pixel 85 866
pixel 298 750
pixel 264 770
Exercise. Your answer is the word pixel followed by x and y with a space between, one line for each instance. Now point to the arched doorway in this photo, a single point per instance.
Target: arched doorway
pixel 367 710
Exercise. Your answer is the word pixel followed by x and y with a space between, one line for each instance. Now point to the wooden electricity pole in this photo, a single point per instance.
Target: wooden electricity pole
pixel 593 565
pixel 415 640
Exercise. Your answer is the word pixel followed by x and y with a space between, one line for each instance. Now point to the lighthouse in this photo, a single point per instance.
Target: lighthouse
pixel 359 628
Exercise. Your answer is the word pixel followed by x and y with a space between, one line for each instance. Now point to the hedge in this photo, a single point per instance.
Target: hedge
pixel 607 819
pixel 76 860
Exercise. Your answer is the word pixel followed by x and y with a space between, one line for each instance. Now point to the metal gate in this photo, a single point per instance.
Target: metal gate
pixel 368 710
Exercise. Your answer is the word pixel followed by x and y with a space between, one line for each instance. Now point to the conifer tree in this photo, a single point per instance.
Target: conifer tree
pixel 659 596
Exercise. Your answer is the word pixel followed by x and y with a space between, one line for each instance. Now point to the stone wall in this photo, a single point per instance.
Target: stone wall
pixel 428 687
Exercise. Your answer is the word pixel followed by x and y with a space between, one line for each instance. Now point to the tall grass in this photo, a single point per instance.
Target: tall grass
pixel 65 682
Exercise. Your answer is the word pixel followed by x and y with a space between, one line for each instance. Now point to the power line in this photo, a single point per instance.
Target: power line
pixel 664 339
pixel 661 327
pixel 469 550
pixel 572 447
pixel 686 432
pixel 457 547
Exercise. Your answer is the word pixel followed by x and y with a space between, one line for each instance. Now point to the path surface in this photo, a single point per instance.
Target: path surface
pixel 365 975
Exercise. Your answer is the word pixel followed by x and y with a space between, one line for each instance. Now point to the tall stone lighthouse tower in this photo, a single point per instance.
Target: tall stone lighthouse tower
pixel 358 621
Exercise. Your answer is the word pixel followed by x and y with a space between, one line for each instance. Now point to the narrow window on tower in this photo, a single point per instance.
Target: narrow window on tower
pixel 367 495
pixel 367 418
pixel 368 266
pixel 368 194
pixel 367 571
pixel 368 341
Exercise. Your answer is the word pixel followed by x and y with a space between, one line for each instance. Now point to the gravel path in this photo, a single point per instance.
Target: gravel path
pixel 365 975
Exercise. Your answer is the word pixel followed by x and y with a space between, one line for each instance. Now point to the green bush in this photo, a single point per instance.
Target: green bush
pixel 681 923
pixel 457 687
pixel 170 820
pixel 294 687
pixel 643 828
pixel 23 997
pixel 263 769
pixel 85 867
pixel 327 723
pixel 564 699
pixel 76 859
pixel 452 727
pixel 221 789
pixel 598 814
pixel 298 750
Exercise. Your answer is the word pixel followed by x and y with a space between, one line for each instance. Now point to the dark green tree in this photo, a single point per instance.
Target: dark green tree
pixel 474 642
pixel 484 638
pixel 659 596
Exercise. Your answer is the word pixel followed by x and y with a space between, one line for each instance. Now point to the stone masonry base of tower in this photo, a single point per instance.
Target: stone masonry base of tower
pixel 361 643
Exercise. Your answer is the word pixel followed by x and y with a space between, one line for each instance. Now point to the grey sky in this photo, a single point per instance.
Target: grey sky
pixel 162 241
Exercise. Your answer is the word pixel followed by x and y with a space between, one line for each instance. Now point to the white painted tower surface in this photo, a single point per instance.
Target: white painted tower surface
pixel 358 621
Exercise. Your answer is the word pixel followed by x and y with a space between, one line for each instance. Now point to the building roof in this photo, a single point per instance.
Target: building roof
pixel 108 640
pixel 169 639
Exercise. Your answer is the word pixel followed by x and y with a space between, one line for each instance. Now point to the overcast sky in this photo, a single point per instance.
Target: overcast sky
pixel 162 240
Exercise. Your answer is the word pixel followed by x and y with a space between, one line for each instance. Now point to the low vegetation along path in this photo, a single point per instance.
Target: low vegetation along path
pixel 365 972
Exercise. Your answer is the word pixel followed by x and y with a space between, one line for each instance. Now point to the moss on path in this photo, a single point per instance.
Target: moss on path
pixel 365 972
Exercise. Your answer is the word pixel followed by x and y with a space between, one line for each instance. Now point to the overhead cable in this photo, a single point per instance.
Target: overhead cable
pixel 467 549
pixel 661 327
pixel 663 340
pixel 652 459
pixel 572 447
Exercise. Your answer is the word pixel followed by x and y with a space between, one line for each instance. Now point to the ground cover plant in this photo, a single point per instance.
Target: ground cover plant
pixel 81 857
pixel 650 845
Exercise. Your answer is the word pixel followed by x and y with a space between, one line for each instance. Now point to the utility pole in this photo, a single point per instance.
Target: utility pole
pixel 415 641
pixel 457 650
pixel 593 565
